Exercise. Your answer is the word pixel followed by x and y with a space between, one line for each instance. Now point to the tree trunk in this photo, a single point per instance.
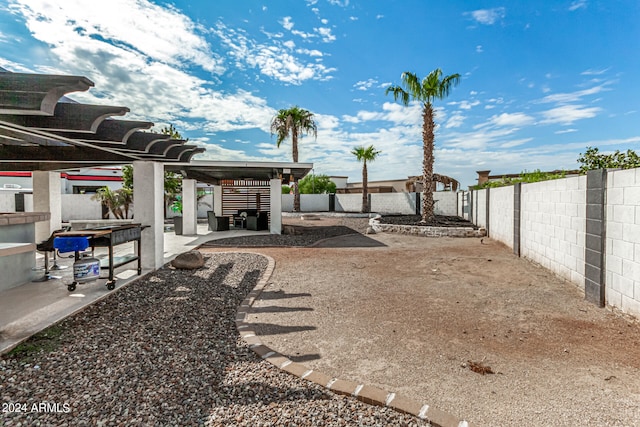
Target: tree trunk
pixel 365 189
pixel 427 163
pixel 294 149
pixel 296 196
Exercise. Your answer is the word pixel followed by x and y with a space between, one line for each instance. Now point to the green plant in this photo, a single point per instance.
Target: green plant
pixel 316 184
pixel 363 155
pixel 176 205
pixel 592 159
pixel 524 177
pixel 42 342
pixel 294 122
pixel 117 201
pixel 434 86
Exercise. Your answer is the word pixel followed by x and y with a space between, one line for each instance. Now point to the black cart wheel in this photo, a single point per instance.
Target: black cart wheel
pixel 71 287
pixel 111 285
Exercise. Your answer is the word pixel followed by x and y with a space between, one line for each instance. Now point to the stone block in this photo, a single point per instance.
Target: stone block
pixel 624 213
pixel 614 230
pixel 632 196
pixel 631 269
pixel 614 298
pixel 631 232
pixel 630 305
pixel 623 178
pixel 593 292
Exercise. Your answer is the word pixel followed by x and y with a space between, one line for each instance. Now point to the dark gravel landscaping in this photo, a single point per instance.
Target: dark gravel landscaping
pixel 165 351
pixel 438 221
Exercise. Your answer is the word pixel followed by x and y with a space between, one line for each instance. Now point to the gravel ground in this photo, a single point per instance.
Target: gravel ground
pixel 164 350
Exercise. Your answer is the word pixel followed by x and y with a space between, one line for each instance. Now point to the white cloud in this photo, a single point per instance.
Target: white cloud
pixel 479 49
pixel 148 76
pixel 560 132
pixel 325 34
pixel 273 60
pixel 310 52
pixel 573 96
pixel 465 105
pixel 567 114
pixel 365 85
pixel 138 27
pixel 393 112
pixel 515 143
pixel 488 16
pixel 578 4
pixel 455 121
pixel 286 23
pixel 591 72
pixel 511 119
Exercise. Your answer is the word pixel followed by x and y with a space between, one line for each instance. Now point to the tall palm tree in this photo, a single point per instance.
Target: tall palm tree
pixel 294 122
pixel 432 87
pixel 365 155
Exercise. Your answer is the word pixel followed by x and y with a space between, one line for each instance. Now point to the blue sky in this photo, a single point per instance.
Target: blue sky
pixel 540 80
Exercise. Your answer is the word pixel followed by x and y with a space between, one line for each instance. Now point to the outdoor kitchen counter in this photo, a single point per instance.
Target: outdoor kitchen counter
pixel 17 246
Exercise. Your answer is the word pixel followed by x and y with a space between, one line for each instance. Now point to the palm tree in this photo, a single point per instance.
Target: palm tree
pixel 293 122
pixel 115 200
pixel 432 87
pixel 363 155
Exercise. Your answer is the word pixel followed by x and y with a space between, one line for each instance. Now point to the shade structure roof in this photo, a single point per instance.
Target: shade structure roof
pixel 212 172
pixel 42 129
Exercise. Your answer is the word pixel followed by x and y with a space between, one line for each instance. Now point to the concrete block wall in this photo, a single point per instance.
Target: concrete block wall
pixel 396 203
pixel 314 202
pixel 7 201
pixel 553 226
pixel 622 271
pixel 287 203
pixel 447 203
pixel 348 202
pixel 80 206
pixel 479 207
pixel 500 209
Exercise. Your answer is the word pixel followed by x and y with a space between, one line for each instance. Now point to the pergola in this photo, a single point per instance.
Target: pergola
pixel 43 131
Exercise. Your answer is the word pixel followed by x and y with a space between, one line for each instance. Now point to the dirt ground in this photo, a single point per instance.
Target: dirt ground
pixel 413 315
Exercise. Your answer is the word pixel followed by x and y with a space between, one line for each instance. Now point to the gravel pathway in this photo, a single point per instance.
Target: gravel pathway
pixel 164 350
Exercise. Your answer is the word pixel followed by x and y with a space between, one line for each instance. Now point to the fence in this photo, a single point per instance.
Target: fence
pixel 586 229
pixel 384 203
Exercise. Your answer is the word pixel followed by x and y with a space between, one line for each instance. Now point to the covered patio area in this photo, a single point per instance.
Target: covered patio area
pixel 43 131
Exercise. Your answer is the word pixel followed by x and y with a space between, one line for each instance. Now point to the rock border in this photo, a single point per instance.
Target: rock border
pixel 425 230
pixel 365 393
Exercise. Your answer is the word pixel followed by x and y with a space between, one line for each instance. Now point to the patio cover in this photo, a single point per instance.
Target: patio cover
pixel 43 130
pixel 212 172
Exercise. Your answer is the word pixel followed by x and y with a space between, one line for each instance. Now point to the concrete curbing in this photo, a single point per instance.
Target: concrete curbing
pixel 365 393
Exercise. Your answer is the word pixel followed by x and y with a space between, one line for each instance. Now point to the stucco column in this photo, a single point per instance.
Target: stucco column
pixel 47 197
pixel 189 207
pixel 148 205
pixel 275 195
pixel 217 200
